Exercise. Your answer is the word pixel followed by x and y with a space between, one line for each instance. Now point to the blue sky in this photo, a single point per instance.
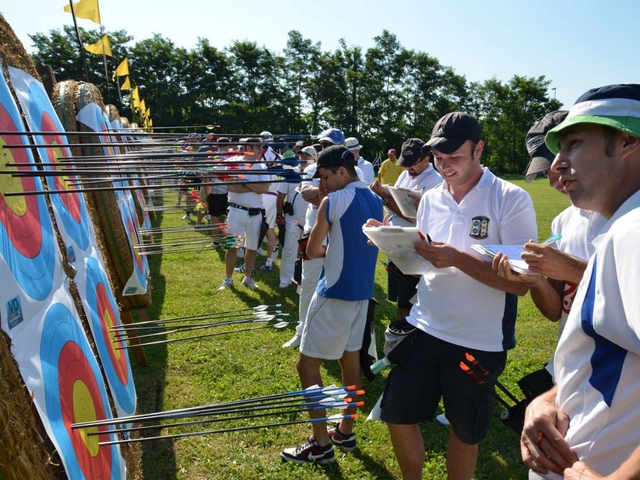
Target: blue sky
pixel 577 44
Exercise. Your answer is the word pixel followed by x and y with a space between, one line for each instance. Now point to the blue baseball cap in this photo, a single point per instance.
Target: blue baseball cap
pixel 332 135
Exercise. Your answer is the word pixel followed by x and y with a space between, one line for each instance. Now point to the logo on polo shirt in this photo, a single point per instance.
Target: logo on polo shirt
pixel 479 228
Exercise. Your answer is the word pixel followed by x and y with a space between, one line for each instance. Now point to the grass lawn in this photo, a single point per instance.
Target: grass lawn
pixel 250 364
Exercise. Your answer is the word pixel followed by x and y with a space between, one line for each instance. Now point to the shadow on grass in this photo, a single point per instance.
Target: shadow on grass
pixel 151 381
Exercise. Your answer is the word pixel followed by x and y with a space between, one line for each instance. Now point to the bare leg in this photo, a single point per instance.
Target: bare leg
pixel 249 261
pixel 309 372
pixel 350 364
pixel 409 449
pixel 461 458
pixel 230 261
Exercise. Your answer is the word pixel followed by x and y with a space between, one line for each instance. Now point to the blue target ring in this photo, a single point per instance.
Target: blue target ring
pixel 103 315
pixel 27 243
pixel 68 366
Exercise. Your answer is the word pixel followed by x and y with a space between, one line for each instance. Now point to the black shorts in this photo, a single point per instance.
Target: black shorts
pixel 433 370
pixel 401 288
pixel 217 203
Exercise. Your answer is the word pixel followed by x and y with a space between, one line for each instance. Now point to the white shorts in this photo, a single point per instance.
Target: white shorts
pixel 269 202
pixel 240 223
pixel 333 327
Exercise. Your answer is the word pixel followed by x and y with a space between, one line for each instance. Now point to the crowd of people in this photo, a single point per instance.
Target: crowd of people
pixel 584 426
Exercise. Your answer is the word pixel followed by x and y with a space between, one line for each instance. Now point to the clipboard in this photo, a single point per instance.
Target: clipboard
pixel 512 251
pixel 397 244
pixel 402 197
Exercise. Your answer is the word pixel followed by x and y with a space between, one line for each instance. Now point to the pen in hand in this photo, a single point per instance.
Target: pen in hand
pixel 423 238
pixel 552 239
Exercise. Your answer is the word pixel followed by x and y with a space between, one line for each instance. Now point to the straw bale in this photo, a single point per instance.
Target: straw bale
pixel 26 450
pixel 12 52
pixel 113 113
pixel 63 101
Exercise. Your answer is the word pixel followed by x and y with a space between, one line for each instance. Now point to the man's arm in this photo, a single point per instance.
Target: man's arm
pixel 389 202
pixel 546 293
pixel 553 263
pixel 258 187
pixel 316 247
pixel 542 443
pixel 629 470
pixel 443 255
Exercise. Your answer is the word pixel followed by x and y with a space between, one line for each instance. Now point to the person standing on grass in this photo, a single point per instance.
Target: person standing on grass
pixel 418 175
pixel 335 322
pixel 462 302
pixel 587 426
pixel 559 269
pixel 245 218
pixel 390 170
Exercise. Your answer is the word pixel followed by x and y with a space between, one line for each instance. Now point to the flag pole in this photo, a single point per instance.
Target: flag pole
pixel 84 60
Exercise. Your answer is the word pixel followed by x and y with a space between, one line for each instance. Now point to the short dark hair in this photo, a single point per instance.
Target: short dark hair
pixel 351 169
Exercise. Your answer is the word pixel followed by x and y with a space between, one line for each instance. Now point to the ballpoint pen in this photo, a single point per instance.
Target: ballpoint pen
pixel 552 239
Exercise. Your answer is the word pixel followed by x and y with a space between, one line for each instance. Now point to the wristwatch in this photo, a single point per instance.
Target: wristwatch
pixel 385 200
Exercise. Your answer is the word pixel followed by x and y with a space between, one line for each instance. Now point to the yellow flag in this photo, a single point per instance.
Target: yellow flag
pixel 101 46
pixel 126 85
pixel 142 106
pixel 87 9
pixel 122 70
pixel 136 97
pixel 147 113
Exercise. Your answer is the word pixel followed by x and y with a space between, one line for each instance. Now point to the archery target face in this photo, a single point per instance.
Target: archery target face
pixel 104 316
pixel 26 231
pixel 75 392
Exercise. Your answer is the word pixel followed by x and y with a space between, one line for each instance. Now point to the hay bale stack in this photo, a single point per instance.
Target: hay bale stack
pixel 26 449
pixel 111 235
pixel 113 113
pixel 12 52
pixel 66 111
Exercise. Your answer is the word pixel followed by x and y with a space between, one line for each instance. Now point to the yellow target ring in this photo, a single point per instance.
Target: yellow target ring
pixel 9 184
pixel 85 411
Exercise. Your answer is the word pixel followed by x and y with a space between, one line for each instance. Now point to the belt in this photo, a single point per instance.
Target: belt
pixel 240 207
pixel 271 193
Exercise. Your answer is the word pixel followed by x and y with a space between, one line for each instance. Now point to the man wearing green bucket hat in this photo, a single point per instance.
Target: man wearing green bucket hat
pixel 587 426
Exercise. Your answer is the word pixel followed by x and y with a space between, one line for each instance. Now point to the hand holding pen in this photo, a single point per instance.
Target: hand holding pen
pixel 551 262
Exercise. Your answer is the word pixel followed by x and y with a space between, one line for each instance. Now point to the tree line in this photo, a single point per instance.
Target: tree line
pixel 382 95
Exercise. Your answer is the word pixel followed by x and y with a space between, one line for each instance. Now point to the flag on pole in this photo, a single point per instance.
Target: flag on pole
pixel 143 107
pixel 87 9
pixel 126 85
pixel 136 98
pixel 122 70
pixel 147 113
pixel 100 47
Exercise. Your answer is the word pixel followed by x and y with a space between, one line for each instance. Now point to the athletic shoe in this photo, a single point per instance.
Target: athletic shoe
pixel 346 443
pixel 226 283
pixel 249 283
pixel 442 420
pixel 309 452
pixel 293 342
pixel 265 268
pixel 214 245
pixel 284 284
pixel 240 269
pixel 261 252
pixel 186 217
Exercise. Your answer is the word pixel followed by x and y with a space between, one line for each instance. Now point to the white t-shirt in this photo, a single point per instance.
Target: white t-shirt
pixel 368 175
pixel 248 199
pixel 597 363
pixel 453 306
pixel 428 179
pixel 578 228
pixel 293 196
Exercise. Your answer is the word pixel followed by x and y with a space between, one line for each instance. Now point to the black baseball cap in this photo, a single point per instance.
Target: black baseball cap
pixel 541 156
pixel 413 149
pixel 452 130
pixel 334 156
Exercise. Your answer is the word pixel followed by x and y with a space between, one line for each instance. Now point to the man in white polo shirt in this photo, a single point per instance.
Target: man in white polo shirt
pixel 418 175
pixel 354 146
pixel 587 426
pixel 245 217
pixel 462 302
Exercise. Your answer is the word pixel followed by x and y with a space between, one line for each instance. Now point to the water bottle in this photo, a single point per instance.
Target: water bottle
pixel 380 365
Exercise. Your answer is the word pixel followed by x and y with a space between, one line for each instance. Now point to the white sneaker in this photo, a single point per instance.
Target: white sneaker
pixel 186 217
pixel 442 420
pixel 293 342
pixel 284 284
pixel 249 283
pixel 261 252
pixel 226 283
pixel 240 269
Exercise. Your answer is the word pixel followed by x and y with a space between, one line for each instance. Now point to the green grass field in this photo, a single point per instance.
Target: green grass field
pixel 250 364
